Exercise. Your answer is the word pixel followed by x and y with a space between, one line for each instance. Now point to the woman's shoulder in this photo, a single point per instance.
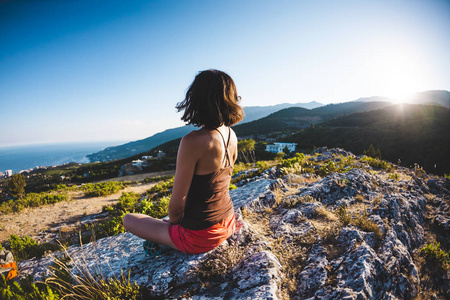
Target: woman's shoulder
pixel 197 138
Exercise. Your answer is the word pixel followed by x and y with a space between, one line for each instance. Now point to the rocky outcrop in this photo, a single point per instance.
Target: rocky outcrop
pixel 291 242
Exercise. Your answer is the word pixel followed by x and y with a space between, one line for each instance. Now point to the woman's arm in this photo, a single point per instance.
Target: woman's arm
pixel 187 158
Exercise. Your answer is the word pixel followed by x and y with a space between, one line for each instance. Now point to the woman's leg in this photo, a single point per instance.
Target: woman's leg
pixel 148 228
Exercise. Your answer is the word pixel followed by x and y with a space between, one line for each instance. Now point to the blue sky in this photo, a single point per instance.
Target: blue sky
pixel 92 70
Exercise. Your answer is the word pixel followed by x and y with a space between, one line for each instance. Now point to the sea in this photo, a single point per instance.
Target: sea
pixel 18 158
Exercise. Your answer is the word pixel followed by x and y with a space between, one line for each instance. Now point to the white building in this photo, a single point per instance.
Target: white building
pixel 137 163
pixel 8 173
pixel 279 147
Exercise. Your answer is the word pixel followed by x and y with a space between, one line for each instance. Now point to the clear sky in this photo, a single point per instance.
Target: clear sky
pixel 90 70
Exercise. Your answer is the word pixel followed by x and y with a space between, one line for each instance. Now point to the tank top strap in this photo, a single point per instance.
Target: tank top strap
pixel 226 145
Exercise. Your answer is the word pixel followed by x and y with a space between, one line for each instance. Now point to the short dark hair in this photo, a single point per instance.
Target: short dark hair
pixel 211 101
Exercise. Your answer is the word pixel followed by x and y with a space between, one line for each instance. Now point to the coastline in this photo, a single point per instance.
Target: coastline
pixel 26 157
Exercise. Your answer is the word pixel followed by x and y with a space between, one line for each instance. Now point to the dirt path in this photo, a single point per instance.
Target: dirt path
pixel 140 177
pixel 31 221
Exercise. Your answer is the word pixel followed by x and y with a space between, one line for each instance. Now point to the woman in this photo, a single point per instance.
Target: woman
pixel 201 214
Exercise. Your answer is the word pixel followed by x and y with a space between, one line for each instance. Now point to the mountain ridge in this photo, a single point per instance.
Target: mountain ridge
pixel 309 117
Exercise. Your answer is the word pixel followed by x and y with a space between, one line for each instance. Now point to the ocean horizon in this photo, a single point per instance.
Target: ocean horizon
pixel 25 157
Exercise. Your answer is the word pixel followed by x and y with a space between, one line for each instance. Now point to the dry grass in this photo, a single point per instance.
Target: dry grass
pixel 359 198
pixel 377 200
pixel 218 263
pixel 302 179
pixel 83 282
pixel 430 197
pixel 325 214
pixel 278 196
pixel 292 256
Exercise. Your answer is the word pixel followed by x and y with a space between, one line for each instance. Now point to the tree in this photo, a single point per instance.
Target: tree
pixel 286 150
pixel 372 152
pixel 247 150
pixel 16 185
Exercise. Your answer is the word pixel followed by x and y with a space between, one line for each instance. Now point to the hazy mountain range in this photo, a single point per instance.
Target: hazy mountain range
pixel 268 119
pixel 132 148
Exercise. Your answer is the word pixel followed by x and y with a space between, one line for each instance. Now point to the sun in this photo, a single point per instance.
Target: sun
pixel 395 73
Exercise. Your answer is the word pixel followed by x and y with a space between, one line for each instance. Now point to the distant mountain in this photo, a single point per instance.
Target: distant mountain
pixel 133 148
pixel 295 118
pixel 144 145
pixel 257 112
pixel 406 132
pixel 372 99
pixel 439 97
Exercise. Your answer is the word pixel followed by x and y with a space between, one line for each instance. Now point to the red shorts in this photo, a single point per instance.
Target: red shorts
pixel 200 241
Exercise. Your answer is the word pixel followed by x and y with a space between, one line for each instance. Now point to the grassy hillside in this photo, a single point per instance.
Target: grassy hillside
pixel 411 133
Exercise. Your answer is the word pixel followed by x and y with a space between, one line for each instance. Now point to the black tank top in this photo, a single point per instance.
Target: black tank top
pixel 208 201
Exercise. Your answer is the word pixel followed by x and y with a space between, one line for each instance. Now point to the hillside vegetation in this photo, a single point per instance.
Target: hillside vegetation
pixel 413 134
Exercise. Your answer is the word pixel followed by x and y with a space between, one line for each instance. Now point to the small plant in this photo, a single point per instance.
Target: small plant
pixel 102 189
pixel 293 165
pixel 158 209
pixel 377 200
pixel 343 182
pixel 240 166
pixel 376 163
pixel 292 201
pixel 87 283
pixel 26 289
pixel 232 187
pixel 367 225
pixel 155 179
pixel 325 214
pixel 344 217
pixel 437 258
pixel 359 198
pixel 393 176
pixel 26 247
pixel 127 201
pixel 160 189
pixel 326 169
pixel 218 263
pixel 262 165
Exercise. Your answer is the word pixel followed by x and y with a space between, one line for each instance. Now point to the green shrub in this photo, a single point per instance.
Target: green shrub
pixel 157 178
pixel 393 176
pixel 376 163
pixel 437 258
pixel 232 187
pixel 26 247
pixel 32 200
pixel 239 167
pixel 162 188
pixel 262 165
pixel 326 169
pixel 102 189
pixel 128 201
pixel 293 165
pixel 158 209
pixel 25 289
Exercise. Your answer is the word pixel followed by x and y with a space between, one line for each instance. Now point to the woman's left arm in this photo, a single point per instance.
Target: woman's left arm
pixel 187 158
